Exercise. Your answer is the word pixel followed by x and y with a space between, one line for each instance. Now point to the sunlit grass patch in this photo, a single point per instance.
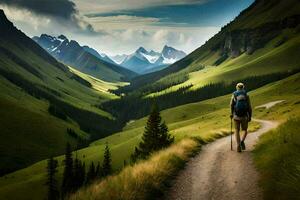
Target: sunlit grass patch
pixel 144 179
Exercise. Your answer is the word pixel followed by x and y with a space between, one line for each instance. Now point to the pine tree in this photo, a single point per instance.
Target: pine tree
pixel 91 174
pixel 106 166
pixel 78 174
pixel 156 136
pixel 53 193
pixel 83 173
pixel 67 183
pixel 99 170
pixel 165 139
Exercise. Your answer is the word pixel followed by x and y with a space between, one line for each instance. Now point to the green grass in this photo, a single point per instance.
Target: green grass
pixel 277 157
pixel 28 132
pixel 143 180
pixel 99 85
pixel 203 119
pixel 269 59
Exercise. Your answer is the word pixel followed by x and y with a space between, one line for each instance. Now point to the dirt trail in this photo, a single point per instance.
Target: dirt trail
pixel 270 104
pixel 219 173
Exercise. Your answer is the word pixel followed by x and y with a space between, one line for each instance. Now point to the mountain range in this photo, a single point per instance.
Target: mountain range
pixel 83 58
pixel 143 61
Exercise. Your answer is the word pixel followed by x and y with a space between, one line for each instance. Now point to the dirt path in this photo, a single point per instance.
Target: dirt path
pixel 270 104
pixel 219 173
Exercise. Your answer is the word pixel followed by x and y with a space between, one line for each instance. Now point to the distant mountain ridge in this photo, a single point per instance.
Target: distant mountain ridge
pixel 143 61
pixel 83 58
pixel 101 56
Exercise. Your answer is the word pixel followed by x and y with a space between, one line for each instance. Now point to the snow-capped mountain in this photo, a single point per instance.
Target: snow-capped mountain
pixel 143 61
pixel 58 45
pixel 83 58
pixel 119 58
pixel 171 55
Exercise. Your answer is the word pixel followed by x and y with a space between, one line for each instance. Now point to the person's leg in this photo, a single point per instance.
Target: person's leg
pixel 237 124
pixel 245 135
pixel 244 124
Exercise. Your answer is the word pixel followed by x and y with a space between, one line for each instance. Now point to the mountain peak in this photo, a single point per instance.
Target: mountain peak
pixel 167 48
pixel 4 22
pixel 62 37
pixel 46 36
pixel 143 61
pixel 171 55
pixel 2 15
pixel 141 50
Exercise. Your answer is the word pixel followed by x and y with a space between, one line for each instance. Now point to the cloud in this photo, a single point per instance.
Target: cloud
pixel 59 8
pixel 64 12
pixel 104 6
pixel 122 22
pixel 128 40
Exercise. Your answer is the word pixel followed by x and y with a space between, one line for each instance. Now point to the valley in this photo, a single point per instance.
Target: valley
pixel 56 91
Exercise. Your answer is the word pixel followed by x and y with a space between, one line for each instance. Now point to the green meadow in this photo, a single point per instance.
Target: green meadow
pixel 270 59
pixel 31 134
pixel 203 119
pixel 277 157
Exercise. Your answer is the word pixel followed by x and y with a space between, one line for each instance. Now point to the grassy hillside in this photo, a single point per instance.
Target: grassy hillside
pixel 103 87
pixel 28 74
pixel 277 157
pixel 284 180
pixel 270 59
pixel 32 82
pixel 28 133
pixel 204 119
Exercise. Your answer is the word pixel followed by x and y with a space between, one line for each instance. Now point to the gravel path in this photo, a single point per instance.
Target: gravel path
pixel 219 173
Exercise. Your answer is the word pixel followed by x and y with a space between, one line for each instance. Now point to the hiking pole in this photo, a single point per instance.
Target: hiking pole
pixel 231 133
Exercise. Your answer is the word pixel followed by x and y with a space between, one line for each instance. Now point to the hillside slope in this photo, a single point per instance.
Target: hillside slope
pixel 40 99
pixel 263 39
pixel 204 119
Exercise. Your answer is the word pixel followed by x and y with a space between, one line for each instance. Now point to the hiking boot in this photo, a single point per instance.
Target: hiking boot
pixel 239 149
pixel 243 146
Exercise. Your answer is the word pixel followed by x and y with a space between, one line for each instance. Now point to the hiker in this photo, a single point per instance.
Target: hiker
pixel 241 113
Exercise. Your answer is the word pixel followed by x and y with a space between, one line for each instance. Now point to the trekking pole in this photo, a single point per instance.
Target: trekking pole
pixel 231 133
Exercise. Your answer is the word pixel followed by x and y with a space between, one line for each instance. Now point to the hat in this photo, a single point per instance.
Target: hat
pixel 240 86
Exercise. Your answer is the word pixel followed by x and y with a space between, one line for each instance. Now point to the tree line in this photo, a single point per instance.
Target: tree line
pixel 136 106
pixel 151 84
pixel 75 175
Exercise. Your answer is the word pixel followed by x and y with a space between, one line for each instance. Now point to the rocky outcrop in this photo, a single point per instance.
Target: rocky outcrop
pixel 236 42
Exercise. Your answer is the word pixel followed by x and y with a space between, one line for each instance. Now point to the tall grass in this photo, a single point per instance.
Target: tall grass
pixel 277 157
pixel 144 180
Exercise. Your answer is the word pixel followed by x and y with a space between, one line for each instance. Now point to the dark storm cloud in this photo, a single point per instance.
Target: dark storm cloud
pixel 64 11
pixel 58 8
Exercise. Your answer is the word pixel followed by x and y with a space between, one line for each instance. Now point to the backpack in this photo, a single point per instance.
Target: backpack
pixel 241 103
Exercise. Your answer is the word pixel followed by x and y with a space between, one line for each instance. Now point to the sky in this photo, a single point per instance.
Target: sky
pixel 121 26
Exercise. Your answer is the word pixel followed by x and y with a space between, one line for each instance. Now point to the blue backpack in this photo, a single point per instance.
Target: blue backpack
pixel 241 103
